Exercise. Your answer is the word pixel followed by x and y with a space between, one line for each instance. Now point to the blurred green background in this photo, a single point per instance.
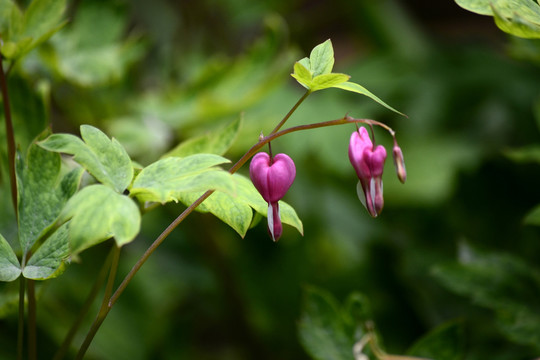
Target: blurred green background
pixel 154 73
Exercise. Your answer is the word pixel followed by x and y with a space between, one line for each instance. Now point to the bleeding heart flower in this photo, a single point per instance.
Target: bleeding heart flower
pixel 272 178
pixel 369 164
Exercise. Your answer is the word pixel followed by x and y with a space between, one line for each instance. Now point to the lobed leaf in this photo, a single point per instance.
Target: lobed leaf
pixel 353 87
pixel 517 25
pixel 302 75
pixel 48 261
pixel 10 268
pixel 90 55
pixel 105 159
pixel 42 193
pixel 326 81
pixel 98 213
pixel 517 17
pixel 26 30
pixel 235 209
pixel 322 58
pixel 166 179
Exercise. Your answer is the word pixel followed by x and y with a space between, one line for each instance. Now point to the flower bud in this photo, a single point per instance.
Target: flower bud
pixel 399 163
pixel 272 178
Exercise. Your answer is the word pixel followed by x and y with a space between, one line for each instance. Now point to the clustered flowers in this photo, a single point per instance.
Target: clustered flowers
pixel 273 176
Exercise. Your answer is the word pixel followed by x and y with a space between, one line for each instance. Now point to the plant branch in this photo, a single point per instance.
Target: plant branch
pixel 61 353
pixel 10 135
pixel 104 310
pixel 32 338
pixel 293 109
pixel 20 332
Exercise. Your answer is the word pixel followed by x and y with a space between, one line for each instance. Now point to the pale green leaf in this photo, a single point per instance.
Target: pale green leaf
pixel 477 6
pixel 48 261
pixel 167 178
pixel 6 9
pixel 517 25
pixel 42 193
pixel 353 87
pixel 322 58
pixel 10 269
pixel 326 81
pixel 41 16
pixel 302 75
pixel 517 17
pixel 235 209
pixel 306 63
pixel 216 142
pixel 232 210
pixel 32 27
pixel 90 51
pixel 98 213
pixel 105 159
pixel 247 193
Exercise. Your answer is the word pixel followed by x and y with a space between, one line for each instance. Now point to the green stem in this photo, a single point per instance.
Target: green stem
pixel 20 333
pixel 105 308
pixel 32 338
pixel 61 353
pixel 10 135
pixel 293 109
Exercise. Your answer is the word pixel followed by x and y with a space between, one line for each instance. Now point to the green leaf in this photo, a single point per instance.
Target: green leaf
pixel 98 213
pixel 105 159
pixel 42 18
pixel 166 179
pixel 305 63
pixel 48 261
pixel 533 217
pixel 91 51
pixel 327 81
pixel 302 74
pixel 353 87
pixel 322 330
pixel 43 192
pixel 236 209
pixel 517 25
pixel 247 192
pixel 216 142
pixel 524 154
pixel 503 283
pixel 477 6
pixel 10 269
pixel 232 210
pixel 27 30
pixel 517 17
pixel 322 58
pixel 445 342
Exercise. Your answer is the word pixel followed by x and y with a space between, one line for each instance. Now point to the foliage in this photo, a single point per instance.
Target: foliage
pixel 520 18
pixel 171 92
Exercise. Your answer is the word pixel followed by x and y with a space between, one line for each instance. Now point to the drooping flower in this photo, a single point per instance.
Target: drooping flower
pixel 272 177
pixel 369 164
